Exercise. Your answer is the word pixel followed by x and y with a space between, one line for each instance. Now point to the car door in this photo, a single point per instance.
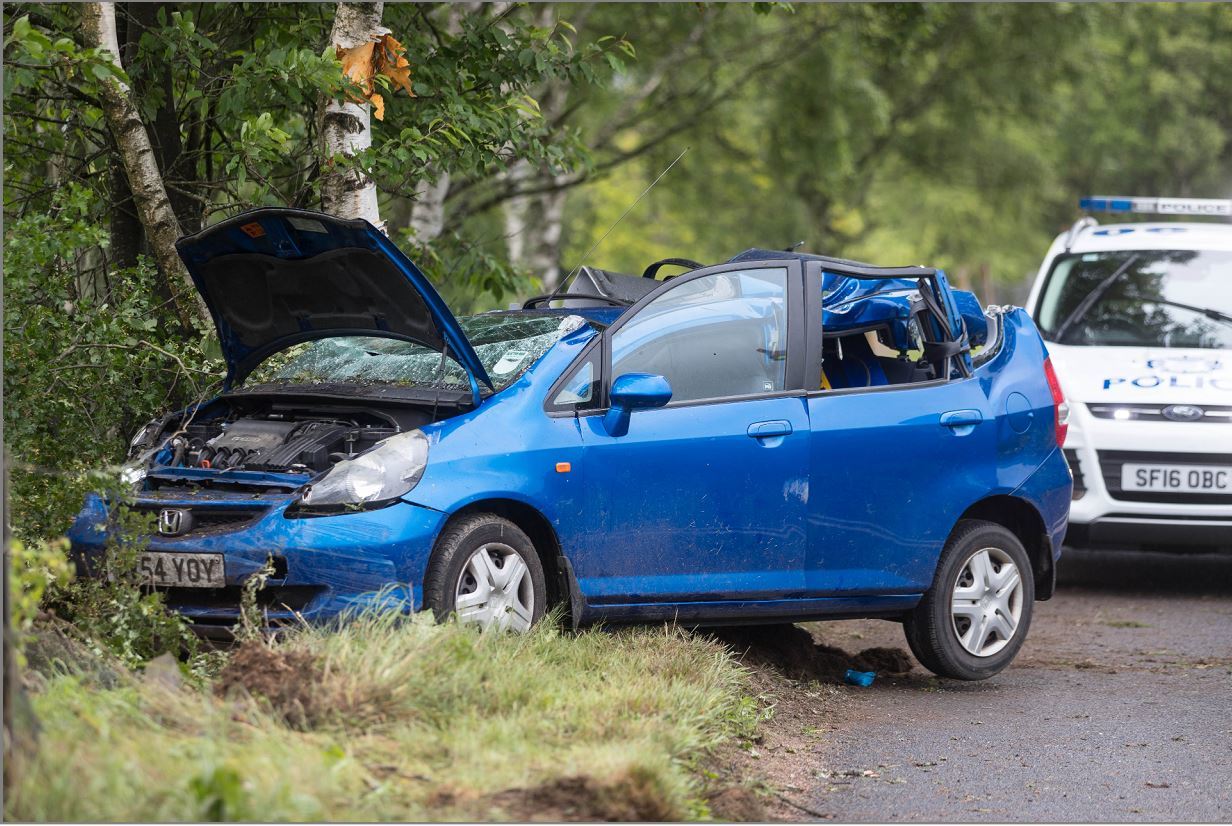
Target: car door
pixel 702 500
pixel 892 467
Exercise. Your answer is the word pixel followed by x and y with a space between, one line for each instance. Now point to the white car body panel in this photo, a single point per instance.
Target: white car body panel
pixel 1100 379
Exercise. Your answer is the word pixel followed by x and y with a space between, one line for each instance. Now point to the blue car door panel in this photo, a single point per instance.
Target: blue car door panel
pixel 704 499
pixel 889 478
pixel 692 507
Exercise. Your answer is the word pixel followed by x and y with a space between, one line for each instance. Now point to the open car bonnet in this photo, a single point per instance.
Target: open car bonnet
pixel 274 277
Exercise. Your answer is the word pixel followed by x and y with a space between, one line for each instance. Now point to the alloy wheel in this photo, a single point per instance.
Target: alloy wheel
pixel 986 602
pixel 495 590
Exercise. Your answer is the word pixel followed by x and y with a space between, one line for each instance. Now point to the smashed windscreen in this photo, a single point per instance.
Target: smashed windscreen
pixel 507 344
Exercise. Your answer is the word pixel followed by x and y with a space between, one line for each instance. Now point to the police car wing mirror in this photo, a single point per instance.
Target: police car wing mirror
pixel 634 391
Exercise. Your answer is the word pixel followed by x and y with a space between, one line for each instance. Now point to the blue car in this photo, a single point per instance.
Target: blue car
pixel 778 438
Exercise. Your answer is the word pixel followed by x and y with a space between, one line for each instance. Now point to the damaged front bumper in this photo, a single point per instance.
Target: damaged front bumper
pixel 323 565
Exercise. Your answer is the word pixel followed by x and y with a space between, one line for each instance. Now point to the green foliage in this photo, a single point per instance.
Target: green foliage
pixel 88 359
pixel 36 569
pixel 110 612
pixel 419 722
pixel 250 626
pixel 959 135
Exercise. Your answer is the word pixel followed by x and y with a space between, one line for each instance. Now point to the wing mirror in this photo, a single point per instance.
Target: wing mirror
pixel 634 391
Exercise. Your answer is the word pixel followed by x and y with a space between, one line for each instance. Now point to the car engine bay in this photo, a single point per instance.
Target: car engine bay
pixel 271 436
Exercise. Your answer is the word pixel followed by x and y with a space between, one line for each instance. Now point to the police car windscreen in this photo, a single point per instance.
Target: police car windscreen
pixel 1152 298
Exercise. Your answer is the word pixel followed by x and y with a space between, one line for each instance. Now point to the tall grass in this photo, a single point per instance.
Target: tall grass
pixel 395 719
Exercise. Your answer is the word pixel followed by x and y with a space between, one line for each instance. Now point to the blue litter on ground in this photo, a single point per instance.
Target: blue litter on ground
pixel 861 678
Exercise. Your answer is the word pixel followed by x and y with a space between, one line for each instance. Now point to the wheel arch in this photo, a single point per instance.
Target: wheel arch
pixel 537 527
pixel 1021 518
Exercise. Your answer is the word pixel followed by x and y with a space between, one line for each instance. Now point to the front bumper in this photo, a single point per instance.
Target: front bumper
pixel 1102 515
pixel 324 565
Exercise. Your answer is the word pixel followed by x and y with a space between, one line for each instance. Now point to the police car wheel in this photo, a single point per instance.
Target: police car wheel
pixel 971 623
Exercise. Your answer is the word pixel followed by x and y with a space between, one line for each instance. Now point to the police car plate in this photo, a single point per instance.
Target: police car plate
pixel 176 570
pixel 1177 478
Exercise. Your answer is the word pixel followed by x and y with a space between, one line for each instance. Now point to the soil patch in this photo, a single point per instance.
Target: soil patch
pixel 736 805
pixel 792 651
pixel 632 796
pixel 287 681
pixel 51 651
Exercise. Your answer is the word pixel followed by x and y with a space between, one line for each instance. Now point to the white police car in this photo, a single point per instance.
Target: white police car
pixel 1138 320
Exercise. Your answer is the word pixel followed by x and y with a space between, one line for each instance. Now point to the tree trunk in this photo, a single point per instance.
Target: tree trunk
pixel 149 193
pixel 534 223
pixel 988 288
pixel 165 131
pixel 124 225
pixel 428 212
pixel 346 126
pixel 533 228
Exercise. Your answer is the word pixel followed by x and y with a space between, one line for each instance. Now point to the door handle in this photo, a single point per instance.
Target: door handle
pixel 961 422
pixel 764 430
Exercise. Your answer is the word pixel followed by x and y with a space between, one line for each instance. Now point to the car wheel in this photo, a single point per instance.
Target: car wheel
pixel 485 571
pixel 975 617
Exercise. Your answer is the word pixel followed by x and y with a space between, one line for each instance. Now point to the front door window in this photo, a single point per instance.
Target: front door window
pixel 712 337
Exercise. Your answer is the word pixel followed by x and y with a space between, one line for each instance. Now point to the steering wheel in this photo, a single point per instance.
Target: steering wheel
pixel 651 271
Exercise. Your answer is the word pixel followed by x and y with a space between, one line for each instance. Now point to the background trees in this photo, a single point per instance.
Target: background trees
pixel 959 135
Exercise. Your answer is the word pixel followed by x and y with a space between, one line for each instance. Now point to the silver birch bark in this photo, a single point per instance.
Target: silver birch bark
pixel 141 167
pixel 533 223
pixel 346 126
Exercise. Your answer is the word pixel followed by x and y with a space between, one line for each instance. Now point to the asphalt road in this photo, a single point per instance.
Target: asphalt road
pixel 1118 708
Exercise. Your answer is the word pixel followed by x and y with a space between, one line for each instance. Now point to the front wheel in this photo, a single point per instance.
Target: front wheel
pixel 485 571
pixel 973 620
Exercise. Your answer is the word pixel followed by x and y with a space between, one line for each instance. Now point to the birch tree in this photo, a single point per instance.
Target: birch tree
pixel 140 166
pixel 346 125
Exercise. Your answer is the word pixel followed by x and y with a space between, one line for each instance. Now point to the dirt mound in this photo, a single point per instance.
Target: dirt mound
pixel 51 651
pixel 632 796
pixel 736 805
pixel 793 651
pixel 287 681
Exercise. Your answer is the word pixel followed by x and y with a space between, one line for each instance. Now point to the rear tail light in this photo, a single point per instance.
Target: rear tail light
pixel 1058 401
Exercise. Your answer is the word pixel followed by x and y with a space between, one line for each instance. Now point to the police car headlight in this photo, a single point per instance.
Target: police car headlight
pixel 387 471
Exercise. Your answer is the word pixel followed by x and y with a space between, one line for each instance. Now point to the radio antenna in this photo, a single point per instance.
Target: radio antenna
pixel 604 236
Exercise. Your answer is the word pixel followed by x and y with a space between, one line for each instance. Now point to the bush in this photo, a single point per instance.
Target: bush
pixel 90 355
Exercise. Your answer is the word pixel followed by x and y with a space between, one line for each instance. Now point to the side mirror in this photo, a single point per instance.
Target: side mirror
pixel 634 391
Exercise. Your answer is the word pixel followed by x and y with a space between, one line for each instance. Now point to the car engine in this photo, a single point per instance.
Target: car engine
pixel 273 438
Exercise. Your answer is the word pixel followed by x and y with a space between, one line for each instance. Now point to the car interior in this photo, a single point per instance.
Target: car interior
pixel 875 335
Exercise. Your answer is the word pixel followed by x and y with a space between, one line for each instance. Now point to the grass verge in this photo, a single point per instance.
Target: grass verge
pixel 392 719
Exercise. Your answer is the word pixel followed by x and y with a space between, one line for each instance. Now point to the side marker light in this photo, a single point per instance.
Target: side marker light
pixel 563 467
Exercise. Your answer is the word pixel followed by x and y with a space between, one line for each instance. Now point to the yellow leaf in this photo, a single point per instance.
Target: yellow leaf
pixel 357 65
pixel 391 62
pixel 382 56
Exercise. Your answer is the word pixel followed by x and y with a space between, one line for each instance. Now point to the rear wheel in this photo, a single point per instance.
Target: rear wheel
pixel 973 620
pixel 485 571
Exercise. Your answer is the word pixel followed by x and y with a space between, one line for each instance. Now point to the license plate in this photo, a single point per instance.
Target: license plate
pixel 175 570
pixel 1177 478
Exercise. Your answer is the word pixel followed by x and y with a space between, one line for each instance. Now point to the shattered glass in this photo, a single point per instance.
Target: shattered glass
pixel 507 345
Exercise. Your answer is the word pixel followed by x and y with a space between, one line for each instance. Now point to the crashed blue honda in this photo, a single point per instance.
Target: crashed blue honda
pixel 776 438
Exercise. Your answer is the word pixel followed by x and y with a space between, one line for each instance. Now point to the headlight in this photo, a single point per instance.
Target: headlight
pixel 145 437
pixel 134 472
pixel 389 470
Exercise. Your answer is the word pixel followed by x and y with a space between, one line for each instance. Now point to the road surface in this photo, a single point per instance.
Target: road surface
pixel 1118 708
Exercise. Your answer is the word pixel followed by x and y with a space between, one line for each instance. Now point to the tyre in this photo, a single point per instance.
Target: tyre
pixel 485 571
pixel 976 615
